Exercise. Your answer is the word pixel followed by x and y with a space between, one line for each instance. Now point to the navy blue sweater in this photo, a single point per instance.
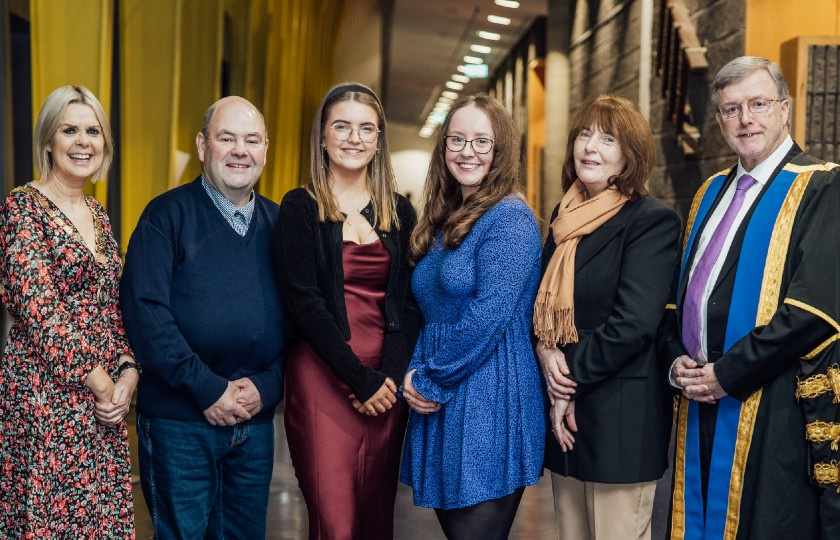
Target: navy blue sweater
pixel 201 306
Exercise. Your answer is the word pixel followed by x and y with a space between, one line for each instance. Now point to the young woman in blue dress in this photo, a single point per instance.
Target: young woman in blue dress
pixel 475 435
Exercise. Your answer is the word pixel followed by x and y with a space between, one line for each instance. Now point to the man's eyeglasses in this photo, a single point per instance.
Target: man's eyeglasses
pixel 343 131
pixel 480 145
pixel 227 141
pixel 758 105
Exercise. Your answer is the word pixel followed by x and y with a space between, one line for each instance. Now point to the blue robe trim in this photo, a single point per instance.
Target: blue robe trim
pixel 742 319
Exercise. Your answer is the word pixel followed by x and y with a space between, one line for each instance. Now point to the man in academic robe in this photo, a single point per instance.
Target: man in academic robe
pixel 751 341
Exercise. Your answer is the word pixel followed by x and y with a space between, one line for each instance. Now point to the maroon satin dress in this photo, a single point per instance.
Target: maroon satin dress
pixel 347 463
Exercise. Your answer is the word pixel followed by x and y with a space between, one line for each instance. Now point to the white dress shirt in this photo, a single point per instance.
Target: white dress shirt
pixel 761 173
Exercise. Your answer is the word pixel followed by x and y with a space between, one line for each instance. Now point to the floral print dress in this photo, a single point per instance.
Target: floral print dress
pixel 62 473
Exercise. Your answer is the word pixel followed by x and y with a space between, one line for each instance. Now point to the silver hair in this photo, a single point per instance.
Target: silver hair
pixel 741 67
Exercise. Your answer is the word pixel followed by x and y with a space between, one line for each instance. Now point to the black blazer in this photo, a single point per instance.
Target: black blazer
pixel 307 258
pixel 623 408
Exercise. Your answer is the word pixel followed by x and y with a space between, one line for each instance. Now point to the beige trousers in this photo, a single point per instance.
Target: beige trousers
pixel 602 511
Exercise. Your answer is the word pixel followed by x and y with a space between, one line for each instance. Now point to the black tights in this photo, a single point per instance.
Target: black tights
pixel 488 520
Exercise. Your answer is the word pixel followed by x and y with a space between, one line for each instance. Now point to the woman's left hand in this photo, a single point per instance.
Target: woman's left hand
pixel 415 399
pixel 563 423
pixel 110 413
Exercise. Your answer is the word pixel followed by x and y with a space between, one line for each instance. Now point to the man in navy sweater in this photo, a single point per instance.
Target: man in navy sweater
pixel 203 314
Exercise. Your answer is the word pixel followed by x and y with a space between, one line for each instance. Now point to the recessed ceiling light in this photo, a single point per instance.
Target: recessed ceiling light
pixel 498 20
pixel 450 95
pixel 492 36
pixel 448 100
pixel 436 117
pixel 473 60
pixel 461 78
pixel 452 85
pixel 484 49
pixel 441 106
pixel 427 132
pixel 507 3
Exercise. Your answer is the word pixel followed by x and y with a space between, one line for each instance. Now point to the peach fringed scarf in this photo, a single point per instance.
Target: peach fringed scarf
pixel 554 314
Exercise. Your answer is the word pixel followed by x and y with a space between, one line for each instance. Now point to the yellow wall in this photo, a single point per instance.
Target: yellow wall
pixel 71 44
pixel 280 55
pixel 200 82
pixel 536 134
pixel 298 69
pixel 769 23
pixel 150 80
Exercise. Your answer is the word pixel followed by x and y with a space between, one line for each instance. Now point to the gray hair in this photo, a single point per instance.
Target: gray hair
pixel 742 67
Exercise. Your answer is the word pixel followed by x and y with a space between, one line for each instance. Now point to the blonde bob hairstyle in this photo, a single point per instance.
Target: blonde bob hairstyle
pixel 381 183
pixel 443 206
pixel 52 111
pixel 620 118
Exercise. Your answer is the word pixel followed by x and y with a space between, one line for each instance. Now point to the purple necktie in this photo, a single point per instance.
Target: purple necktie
pixel 703 269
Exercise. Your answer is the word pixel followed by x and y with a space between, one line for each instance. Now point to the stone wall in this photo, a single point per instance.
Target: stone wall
pixel 605 59
pixel 720 28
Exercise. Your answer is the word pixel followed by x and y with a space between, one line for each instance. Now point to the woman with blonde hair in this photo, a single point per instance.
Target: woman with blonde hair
pixel 341 251
pixel 67 373
pixel 475 436
pixel 608 262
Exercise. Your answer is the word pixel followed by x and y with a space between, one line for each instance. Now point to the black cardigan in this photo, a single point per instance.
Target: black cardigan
pixel 307 257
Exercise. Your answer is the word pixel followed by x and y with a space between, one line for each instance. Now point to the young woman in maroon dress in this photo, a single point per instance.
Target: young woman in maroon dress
pixel 341 252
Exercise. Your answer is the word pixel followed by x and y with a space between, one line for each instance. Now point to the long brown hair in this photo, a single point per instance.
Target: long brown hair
pixel 381 183
pixel 443 206
pixel 620 118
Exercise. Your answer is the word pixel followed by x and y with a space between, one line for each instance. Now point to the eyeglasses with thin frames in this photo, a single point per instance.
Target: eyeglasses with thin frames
pixel 480 145
pixel 757 105
pixel 343 131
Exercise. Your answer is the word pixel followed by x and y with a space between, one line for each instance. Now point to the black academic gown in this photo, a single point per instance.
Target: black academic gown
pixel 779 494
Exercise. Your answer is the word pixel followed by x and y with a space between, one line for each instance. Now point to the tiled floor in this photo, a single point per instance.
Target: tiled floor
pixel 287 513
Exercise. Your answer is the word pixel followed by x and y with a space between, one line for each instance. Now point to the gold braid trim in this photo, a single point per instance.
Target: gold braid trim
pixel 678 493
pixel 821 432
pixel 695 205
pixel 807 168
pixel 813 311
pixel 768 303
pixel 817 385
pixel 821 347
pixel 822 315
pixel 828 473
pixel 681 404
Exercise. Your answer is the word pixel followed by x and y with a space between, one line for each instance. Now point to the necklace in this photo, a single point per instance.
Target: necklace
pixel 99 253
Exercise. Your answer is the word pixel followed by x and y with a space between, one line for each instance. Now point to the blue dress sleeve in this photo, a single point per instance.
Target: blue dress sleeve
pixel 507 258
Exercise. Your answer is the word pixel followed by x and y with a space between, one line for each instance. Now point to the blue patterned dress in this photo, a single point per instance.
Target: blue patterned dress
pixel 474 356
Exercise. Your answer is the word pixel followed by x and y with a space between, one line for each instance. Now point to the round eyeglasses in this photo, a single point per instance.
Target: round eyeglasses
pixel 343 131
pixel 480 145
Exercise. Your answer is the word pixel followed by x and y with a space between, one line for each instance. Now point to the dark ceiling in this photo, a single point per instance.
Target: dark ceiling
pixel 429 39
